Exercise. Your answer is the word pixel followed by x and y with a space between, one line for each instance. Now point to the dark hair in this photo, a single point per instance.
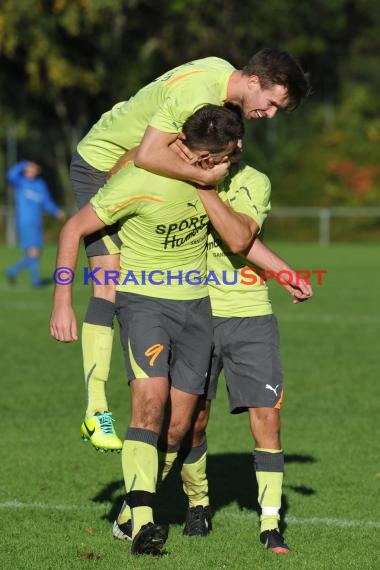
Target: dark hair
pixel 212 127
pixel 278 67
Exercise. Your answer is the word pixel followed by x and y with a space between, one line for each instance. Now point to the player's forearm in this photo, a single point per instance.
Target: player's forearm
pixel 63 325
pixel 123 161
pixel 67 256
pixel 154 154
pixel 264 257
pixel 299 287
pixel 165 162
pixel 235 229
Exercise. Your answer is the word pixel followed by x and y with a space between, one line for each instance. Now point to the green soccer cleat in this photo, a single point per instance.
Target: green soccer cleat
pixel 99 430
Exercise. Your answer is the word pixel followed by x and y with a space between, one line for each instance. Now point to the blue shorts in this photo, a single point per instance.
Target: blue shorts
pixel 30 236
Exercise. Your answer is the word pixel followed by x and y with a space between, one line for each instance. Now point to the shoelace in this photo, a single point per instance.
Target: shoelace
pixel 106 420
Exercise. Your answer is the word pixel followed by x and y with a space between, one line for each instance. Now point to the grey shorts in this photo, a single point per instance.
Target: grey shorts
pixel 166 338
pixel 86 181
pixel 247 349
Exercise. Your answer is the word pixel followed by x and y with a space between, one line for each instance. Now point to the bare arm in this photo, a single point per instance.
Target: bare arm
pixel 123 161
pixel 236 230
pixel 62 321
pixel 154 155
pixel 263 256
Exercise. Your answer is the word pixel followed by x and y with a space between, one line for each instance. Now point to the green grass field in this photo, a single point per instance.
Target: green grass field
pixel 58 497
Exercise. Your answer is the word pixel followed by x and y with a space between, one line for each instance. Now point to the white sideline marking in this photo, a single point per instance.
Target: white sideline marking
pixel 242 515
pixel 309 521
pixel 331 522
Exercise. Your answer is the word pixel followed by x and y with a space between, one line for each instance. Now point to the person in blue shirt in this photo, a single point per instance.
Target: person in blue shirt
pixel 32 198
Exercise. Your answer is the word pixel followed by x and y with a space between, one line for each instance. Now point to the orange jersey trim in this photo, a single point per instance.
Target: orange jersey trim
pixel 120 206
pixel 172 81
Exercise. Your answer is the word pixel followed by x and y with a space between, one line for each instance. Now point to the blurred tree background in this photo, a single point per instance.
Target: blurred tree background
pixel 64 62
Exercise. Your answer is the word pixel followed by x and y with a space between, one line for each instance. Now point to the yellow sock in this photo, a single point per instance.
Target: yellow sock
pixel 165 463
pixel 125 514
pixel 269 467
pixel 194 478
pixel 140 466
pixel 97 349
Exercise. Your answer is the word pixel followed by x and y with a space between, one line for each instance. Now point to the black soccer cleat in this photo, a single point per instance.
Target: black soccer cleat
pixel 122 530
pixel 274 541
pixel 150 539
pixel 198 521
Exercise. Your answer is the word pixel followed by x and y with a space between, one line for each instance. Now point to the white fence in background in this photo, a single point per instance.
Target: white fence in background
pixel 323 215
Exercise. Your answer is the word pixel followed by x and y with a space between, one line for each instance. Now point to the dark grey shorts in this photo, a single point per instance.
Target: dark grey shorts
pixel 166 338
pixel 247 349
pixel 86 181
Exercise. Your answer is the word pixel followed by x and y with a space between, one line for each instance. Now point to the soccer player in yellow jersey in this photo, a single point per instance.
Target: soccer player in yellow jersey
pixel 162 305
pixel 246 348
pixel 246 345
pixel 151 121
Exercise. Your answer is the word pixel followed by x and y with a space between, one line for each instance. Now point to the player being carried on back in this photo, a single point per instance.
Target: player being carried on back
pixel 164 315
pixel 152 121
pixel 246 346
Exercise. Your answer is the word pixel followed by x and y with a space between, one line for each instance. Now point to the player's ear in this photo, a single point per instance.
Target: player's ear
pixel 182 137
pixel 254 81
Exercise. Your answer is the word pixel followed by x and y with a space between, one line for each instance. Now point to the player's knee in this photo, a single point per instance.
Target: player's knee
pixel 265 422
pixel 177 431
pixel 151 423
pixel 271 424
pixel 272 421
pixel 148 414
pixel 198 438
pixel 200 423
